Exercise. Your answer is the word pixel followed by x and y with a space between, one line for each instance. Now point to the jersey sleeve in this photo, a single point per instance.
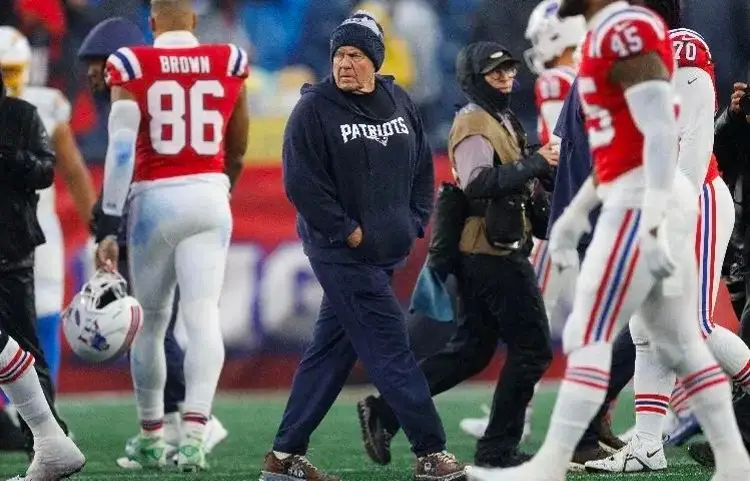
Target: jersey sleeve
pixel 690 50
pixel 696 122
pixel 122 67
pixel 628 35
pixel 551 87
pixel 238 64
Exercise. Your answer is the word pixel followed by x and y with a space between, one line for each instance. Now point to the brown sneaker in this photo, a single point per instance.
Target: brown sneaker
pixel 291 469
pixel 582 456
pixel 607 440
pixel 439 467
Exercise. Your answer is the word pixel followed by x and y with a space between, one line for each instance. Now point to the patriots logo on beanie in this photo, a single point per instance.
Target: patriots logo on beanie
pixel 361 30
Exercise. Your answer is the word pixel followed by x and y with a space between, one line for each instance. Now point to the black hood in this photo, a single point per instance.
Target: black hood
pixel 2 87
pixel 471 66
pixel 328 89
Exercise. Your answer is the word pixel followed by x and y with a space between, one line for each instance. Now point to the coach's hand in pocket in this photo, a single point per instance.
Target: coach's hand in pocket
pixel 107 253
pixel 355 238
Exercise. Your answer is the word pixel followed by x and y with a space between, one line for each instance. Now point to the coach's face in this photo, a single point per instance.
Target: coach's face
pixel 353 71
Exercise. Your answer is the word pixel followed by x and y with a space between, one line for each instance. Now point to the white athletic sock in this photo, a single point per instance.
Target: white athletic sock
pixel 732 354
pixel 679 401
pixel 280 456
pixel 21 384
pixel 710 398
pixel 204 360
pixel 172 429
pixel 653 385
pixel 148 366
pixel 581 394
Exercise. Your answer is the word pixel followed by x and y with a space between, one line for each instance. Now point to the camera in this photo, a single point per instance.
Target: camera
pixel 745 104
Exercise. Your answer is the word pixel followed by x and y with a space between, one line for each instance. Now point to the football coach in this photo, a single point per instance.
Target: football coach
pixel 358 169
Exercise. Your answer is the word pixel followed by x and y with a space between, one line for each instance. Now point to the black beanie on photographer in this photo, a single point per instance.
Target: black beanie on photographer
pixel 361 30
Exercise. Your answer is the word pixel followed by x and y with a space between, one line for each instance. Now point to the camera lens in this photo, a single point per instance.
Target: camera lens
pixel 745 104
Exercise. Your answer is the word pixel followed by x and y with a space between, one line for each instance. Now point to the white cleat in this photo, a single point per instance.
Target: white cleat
pixel 637 456
pixel 54 459
pixel 524 472
pixel 627 435
pixel 475 427
pixel 214 434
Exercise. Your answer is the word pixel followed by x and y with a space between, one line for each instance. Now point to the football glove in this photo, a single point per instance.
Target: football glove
pixel 564 238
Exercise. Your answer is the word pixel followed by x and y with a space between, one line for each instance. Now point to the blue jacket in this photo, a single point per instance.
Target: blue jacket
pixel 575 163
pixel 344 168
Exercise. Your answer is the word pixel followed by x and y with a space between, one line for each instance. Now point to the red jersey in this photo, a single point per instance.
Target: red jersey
pixel 691 50
pixel 552 85
pixel 186 93
pixel 619 31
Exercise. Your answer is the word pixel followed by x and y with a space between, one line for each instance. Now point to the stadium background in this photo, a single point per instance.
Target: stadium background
pixel 270 296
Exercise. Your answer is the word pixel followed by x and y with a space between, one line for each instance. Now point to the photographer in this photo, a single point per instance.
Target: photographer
pixel 497 285
pixel 27 163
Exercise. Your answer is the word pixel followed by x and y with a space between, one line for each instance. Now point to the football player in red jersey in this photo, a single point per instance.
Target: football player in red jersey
pixel 638 262
pixel 695 83
pixel 178 129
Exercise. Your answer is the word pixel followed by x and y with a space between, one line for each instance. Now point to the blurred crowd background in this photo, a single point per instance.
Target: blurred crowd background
pixel 270 298
pixel 288 43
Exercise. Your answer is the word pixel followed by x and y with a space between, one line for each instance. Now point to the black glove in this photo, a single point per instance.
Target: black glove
pixel 96 213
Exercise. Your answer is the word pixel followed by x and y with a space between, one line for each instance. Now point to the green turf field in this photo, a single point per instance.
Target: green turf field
pixel 102 425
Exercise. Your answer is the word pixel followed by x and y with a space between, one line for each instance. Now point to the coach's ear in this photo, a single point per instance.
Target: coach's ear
pixel 195 21
pixel 152 23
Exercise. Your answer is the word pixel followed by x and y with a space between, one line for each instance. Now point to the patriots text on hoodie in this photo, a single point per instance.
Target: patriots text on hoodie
pixel 353 162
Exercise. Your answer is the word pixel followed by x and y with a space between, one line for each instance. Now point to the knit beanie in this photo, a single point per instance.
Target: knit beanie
pixel 361 30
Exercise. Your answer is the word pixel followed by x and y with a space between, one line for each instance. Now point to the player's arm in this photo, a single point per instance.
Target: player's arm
pixel 124 120
pixel 235 145
pixel 695 123
pixel 650 97
pixel 73 169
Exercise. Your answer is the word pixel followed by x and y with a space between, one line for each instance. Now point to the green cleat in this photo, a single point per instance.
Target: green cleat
pixel 191 455
pixel 146 453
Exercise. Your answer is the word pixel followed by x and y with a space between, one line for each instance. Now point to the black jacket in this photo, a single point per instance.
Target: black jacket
pixel 26 165
pixel 732 149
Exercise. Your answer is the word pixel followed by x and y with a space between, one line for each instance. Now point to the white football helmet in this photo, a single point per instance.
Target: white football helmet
pixel 550 35
pixel 15 59
pixel 102 320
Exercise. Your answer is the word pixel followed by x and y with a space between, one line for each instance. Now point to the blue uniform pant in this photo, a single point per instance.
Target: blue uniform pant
pixel 360 317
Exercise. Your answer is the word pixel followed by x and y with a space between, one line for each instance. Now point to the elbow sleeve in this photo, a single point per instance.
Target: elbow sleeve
pixel 651 105
pixel 124 120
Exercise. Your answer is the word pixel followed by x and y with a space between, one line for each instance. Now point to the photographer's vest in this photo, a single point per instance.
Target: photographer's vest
pixel 473 120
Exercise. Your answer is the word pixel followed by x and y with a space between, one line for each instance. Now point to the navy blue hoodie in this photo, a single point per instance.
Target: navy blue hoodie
pixel 344 168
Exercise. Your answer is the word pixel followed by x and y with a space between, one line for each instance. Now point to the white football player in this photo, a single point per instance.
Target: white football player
pixel 551 57
pixel 55 110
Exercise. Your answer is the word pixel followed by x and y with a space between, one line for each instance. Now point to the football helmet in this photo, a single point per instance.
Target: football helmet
pixel 550 35
pixel 15 59
pixel 102 320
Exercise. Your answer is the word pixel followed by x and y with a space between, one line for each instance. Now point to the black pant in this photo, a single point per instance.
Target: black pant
pixel 623 368
pixel 500 301
pixel 18 320
pixel 174 389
